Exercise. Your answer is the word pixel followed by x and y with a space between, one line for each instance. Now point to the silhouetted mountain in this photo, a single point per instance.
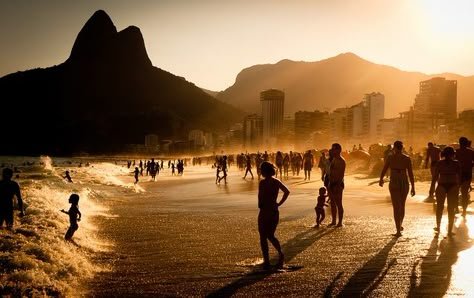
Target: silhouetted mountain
pixel 105 95
pixel 333 83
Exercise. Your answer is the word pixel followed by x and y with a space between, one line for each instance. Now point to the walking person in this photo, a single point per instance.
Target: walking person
pixel 308 161
pixel 268 216
pixel 248 166
pixel 432 153
pixel 448 175
pixel 465 156
pixel 400 172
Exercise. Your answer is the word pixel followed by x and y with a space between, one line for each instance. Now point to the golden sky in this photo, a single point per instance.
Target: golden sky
pixel 210 41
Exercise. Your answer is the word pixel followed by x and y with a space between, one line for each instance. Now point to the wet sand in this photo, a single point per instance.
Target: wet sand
pixel 186 236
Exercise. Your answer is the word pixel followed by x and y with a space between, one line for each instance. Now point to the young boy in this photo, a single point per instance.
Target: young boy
pixel 320 214
pixel 74 216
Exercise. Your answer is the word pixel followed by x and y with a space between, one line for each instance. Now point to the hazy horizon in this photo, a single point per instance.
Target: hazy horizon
pixel 209 42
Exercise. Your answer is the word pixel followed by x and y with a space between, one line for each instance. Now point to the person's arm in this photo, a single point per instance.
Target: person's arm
pixel 20 200
pixel 427 158
pixel 80 215
pixel 260 194
pixel 384 170
pixel 411 177
pixel 64 211
pixel 286 193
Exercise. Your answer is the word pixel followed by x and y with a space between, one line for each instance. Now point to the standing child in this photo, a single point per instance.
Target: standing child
pixel 268 216
pixel 320 214
pixel 74 216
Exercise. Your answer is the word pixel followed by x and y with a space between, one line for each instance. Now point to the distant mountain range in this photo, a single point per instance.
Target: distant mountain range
pixel 335 82
pixel 105 95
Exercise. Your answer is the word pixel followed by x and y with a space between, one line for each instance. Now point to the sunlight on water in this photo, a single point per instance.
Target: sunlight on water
pixel 463 271
pixel 34 255
pixel 47 162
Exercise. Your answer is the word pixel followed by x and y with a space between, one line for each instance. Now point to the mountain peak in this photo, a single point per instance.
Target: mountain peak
pixel 97 32
pixel 99 42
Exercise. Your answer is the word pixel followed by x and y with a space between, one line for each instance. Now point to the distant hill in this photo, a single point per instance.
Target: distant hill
pixel 333 83
pixel 105 95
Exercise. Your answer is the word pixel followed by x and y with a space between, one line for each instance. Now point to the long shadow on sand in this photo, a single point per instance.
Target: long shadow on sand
pixel 292 248
pixel 436 270
pixel 367 278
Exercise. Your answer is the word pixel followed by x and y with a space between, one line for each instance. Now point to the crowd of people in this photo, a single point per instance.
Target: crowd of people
pixel 450 168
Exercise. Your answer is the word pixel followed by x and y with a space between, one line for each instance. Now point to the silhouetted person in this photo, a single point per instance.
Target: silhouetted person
pixel 279 164
pixel 322 164
pixel 136 173
pixel 308 161
pixel 67 176
pixel 321 203
pixel 74 216
pixel 400 171
pixel 8 190
pixel 248 166
pixel 448 175
pixel 336 184
pixel 465 156
pixel 223 169
pixel 268 216
pixel 432 153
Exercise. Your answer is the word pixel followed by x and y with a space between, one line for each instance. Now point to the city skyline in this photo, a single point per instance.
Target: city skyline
pixel 209 42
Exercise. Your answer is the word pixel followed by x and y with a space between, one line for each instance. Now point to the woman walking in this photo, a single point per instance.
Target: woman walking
pixel 400 171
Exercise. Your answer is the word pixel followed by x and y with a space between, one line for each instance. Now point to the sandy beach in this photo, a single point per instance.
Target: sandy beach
pixel 185 236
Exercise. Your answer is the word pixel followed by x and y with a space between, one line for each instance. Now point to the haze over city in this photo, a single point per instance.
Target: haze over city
pixel 210 42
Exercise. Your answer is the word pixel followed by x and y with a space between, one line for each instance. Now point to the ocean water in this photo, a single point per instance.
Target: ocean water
pixel 35 260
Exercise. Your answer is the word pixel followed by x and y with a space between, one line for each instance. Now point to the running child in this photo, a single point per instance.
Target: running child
pixel 74 216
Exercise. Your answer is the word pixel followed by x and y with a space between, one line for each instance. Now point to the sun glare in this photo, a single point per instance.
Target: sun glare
pixel 450 17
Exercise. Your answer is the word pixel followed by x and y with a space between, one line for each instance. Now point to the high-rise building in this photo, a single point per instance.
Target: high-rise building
pixel 252 132
pixel 375 111
pixel 434 109
pixel 437 97
pixel 273 102
pixel 307 124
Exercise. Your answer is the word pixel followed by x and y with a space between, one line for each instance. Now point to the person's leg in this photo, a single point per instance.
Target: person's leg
pixel 440 194
pixel 9 219
pixel 402 205
pixel 453 193
pixel 395 195
pixel 333 207
pixel 465 196
pixel 338 189
pixel 263 232
pixel 323 216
